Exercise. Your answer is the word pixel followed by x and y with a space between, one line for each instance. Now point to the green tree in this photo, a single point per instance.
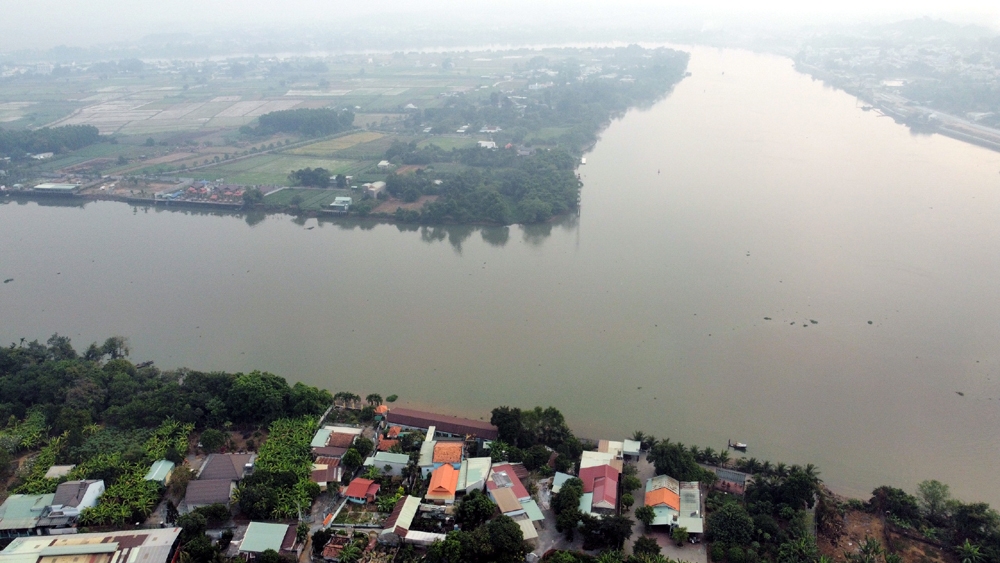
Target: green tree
pixel 319 540
pixel 374 399
pixel 506 539
pixel 257 397
pixel 474 510
pixel 364 446
pixel 646 515
pixel 212 440
pixel 627 501
pixel 352 460
pixel 680 535
pixel 934 498
pixel 253 196
pixel 676 461
pixel 799 550
pixel 645 545
pixel 731 524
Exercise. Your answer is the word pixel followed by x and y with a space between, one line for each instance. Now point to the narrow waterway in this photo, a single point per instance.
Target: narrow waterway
pixel 751 193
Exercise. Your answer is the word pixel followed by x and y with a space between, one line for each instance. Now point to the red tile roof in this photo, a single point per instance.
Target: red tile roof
pixel 503 475
pixel 340 440
pixel 386 444
pixel 361 488
pixel 602 480
pixel 444 423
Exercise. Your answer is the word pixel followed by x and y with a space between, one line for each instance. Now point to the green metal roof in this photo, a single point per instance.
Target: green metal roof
pixel 159 471
pixel 20 512
pixel 261 537
pixel 531 509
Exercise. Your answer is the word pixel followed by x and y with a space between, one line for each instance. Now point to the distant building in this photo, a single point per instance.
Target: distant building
pixel 445 425
pixel 48 188
pixel 326 470
pixel 487 145
pixel 395 462
pixel 333 441
pixel 373 189
pixel 384 165
pixel 444 483
pixel 341 204
pixel 473 474
pixel 600 490
pixel 399 522
pixel 210 491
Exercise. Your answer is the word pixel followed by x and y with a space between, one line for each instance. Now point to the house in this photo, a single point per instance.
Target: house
pixel 386 444
pixel 400 520
pixel 487 145
pixel 600 490
pixel 504 476
pixel 395 462
pixel 361 491
pixel 73 497
pixel 157 545
pixel 691 517
pixel 19 514
pixel 506 501
pixel 209 491
pixel 261 537
pixel 451 426
pixel 326 470
pixel 226 466
pixel 611 447
pixel 393 431
pixel 333 441
pixel 597 459
pixel 473 474
pixel 663 495
pixel 373 189
pixel 631 450
pixel 384 166
pixel 160 472
pixel 341 203
pixel 731 481
pixel 443 485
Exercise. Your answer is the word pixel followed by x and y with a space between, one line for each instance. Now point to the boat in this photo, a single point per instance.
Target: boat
pixel 583 160
pixel 738 446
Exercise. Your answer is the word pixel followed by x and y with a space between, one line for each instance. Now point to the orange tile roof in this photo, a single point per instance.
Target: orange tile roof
pixel 381 409
pixel 663 496
pixel 448 452
pixel 394 431
pixel 385 444
pixel 444 481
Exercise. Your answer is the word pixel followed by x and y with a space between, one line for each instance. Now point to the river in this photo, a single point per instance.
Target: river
pixel 751 192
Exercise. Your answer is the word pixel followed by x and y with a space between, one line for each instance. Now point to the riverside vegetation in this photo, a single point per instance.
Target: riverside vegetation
pixel 112 418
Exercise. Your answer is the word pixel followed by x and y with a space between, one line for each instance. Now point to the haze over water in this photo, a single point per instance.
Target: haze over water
pixel 751 191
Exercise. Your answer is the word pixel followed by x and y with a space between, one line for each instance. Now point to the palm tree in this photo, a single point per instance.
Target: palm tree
pixel 374 399
pixel 723 458
pixel 812 472
pixel 766 468
pixel 969 553
pixel 752 465
pixel 611 557
pixel 708 455
pixel 781 470
pixel 639 436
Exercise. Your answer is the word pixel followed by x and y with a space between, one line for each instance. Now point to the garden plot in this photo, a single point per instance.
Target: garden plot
pixel 326 148
pixel 12 111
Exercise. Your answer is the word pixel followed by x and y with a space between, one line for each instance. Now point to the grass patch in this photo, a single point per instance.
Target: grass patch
pixel 326 148
pixel 312 199
pixel 448 143
pixel 272 169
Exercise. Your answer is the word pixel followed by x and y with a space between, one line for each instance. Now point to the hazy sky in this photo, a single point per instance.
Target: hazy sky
pixel 48 23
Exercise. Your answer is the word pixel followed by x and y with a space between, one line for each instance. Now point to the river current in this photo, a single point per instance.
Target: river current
pixel 756 258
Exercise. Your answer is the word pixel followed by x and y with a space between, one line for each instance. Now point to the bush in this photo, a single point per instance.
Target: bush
pixel 718 552
pixel 212 440
pixel 736 555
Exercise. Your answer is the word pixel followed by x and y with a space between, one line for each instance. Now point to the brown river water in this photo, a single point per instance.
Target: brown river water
pixel 751 191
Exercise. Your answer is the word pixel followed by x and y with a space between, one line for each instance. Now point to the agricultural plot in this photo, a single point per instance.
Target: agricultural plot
pixel 448 143
pixel 327 148
pixel 271 169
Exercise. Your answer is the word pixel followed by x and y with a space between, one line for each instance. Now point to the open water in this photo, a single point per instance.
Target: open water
pixel 751 192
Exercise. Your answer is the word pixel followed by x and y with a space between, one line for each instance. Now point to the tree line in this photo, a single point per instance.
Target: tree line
pixel 16 143
pixel 308 122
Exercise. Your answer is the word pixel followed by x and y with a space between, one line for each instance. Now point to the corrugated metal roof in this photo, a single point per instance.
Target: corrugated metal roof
pixel 528 529
pixel 693 525
pixel 506 501
pixel 262 536
pixel 558 480
pixel 160 470
pixel 532 510
pixel 444 423
pixel 20 512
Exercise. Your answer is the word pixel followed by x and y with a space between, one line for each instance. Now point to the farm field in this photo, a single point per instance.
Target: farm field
pixel 327 148
pixel 448 143
pixel 273 169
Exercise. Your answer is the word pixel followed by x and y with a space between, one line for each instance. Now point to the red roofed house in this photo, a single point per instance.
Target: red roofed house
pixel 602 482
pixel 362 491
pixel 504 476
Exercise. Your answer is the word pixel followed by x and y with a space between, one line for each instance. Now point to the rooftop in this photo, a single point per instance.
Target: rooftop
pixel 340 440
pixel 20 512
pixel 71 493
pixel 448 452
pixel 386 457
pixel 209 491
pixel 261 537
pixel 506 501
pixel 385 444
pixel 225 466
pixel 360 488
pixel 147 546
pixel 159 471
pixel 503 476
pixel 444 423
pixel 444 481
pixel 57 471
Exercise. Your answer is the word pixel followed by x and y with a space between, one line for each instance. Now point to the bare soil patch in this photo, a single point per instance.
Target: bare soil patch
pixel 391 205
